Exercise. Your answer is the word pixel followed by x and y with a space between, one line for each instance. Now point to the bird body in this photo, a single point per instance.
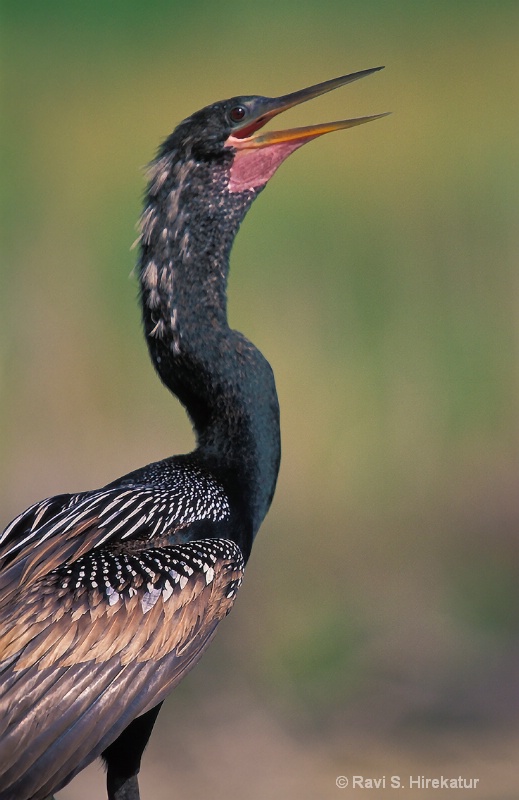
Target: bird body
pixel 109 597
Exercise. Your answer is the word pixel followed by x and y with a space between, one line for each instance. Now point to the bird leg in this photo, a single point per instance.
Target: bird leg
pixel 123 757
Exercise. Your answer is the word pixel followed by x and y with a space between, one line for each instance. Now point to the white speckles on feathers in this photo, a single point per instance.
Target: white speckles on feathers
pixel 157 174
pixel 184 244
pixel 167 592
pixel 166 279
pixel 159 330
pixel 180 175
pixel 149 599
pixel 149 603
pixel 147 224
pixel 150 274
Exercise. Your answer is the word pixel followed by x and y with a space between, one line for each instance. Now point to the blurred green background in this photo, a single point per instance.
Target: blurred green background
pixel 377 629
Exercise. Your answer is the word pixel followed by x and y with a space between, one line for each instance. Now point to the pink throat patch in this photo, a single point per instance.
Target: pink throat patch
pixel 255 166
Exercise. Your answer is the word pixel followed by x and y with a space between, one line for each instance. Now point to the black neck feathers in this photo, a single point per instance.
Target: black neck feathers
pixel 188 226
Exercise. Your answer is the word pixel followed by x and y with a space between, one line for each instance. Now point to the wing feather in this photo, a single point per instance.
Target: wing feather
pixel 102 612
pixel 77 665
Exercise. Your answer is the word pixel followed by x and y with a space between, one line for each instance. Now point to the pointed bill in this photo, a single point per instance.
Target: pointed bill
pixel 270 107
pixel 300 134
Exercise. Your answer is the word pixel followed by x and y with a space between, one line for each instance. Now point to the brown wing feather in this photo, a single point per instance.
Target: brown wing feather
pixel 79 662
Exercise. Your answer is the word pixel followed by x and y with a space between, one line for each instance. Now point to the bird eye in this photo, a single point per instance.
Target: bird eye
pixel 237 114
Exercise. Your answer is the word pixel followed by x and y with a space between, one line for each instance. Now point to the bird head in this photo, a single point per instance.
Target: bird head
pixel 230 132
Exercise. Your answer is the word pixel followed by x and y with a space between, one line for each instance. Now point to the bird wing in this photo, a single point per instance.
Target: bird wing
pixel 24 527
pixel 95 641
pixel 60 529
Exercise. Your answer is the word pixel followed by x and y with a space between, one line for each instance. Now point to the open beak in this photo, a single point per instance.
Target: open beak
pixel 246 138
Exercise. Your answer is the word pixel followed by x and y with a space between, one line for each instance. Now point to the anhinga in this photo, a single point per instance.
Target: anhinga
pixel 109 597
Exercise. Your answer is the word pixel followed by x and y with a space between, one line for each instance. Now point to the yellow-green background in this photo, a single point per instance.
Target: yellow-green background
pixel 377 629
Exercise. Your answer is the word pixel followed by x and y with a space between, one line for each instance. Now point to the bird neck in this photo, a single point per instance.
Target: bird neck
pixel 226 385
